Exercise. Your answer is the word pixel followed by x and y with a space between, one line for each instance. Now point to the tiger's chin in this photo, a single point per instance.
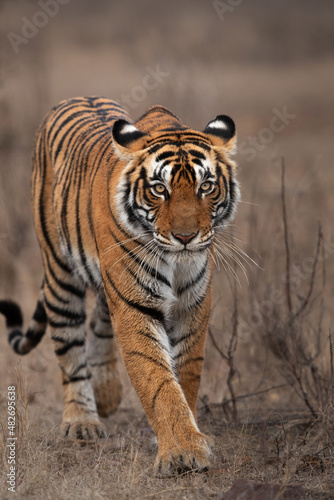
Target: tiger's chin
pixel 185 252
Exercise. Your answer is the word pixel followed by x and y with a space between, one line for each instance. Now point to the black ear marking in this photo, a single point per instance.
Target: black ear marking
pixel 124 133
pixel 222 126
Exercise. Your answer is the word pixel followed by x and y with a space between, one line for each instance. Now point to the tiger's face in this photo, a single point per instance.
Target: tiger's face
pixel 178 185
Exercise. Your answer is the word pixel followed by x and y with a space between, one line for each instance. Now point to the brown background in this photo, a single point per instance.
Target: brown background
pixel 256 57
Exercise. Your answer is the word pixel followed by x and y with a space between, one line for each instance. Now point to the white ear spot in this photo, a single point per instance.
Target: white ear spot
pixel 218 124
pixel 128 129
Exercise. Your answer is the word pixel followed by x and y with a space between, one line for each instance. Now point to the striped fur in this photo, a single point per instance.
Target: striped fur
pixel 129 210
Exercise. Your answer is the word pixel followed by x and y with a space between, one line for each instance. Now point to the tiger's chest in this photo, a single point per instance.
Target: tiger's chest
pixel 182 285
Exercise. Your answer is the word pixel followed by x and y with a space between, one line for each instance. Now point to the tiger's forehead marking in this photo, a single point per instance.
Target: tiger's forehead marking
pixel 189 162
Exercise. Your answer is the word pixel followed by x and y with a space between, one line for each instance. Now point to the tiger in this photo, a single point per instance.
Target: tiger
pixel 131 211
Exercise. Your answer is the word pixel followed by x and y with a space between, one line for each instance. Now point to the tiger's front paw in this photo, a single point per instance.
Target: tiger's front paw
pixel 193 454
pixel 83 430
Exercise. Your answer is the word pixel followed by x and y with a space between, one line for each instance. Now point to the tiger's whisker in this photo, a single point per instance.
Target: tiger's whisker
pixel 124 241
pixel 230 255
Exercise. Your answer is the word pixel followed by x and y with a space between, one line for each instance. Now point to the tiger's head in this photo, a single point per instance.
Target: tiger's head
pixel 177 184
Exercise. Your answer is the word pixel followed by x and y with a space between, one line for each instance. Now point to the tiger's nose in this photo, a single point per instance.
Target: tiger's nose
pixel 184 238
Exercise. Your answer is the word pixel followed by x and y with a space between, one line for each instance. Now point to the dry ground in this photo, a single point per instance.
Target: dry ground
pixel 261 57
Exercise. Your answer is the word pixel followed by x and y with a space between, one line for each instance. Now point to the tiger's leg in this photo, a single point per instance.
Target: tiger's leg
pixel 145 350
pixel 64 300
pixel 102 359
pixel 189 349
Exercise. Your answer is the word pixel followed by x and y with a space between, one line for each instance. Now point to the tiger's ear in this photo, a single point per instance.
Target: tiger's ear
pixel 222 132
pixel 128 140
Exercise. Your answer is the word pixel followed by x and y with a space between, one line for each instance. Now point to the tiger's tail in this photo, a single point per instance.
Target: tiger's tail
pixel 21 342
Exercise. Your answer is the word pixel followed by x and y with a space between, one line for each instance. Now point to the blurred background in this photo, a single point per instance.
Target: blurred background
pixel 269 65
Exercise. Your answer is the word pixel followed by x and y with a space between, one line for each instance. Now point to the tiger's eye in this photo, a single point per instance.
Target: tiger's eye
pixel 206 186
pixel 159 188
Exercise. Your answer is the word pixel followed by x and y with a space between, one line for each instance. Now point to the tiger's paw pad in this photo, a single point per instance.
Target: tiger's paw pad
pixel 83 431
pixel 183 463
pixel 178 461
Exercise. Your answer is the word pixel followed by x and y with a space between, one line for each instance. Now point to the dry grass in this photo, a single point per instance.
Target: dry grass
pixel 267 389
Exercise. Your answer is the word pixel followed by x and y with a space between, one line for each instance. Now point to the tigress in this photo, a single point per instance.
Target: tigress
pixel 130 210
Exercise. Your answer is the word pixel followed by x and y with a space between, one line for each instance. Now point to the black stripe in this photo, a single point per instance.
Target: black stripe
pixel 187 361
pixel 12 313
pixel 98 102
pixel 81 249
pixel 167 381
pixel 150 311
pixel 194 281
pixel 164 155
pixel 105 320
pixel 40 314
pixel 99 336
pixel 161 110
pixel 34 337
pixel 158 143
pixel 76 379
pixel 232 191
pixel 15 346
pixel 14 334
pixel 66 286
pixel 180 135
pixel 75 401
pixel 65 324
pixel 56 338
pixel 75 343
pixel 188 346
pixel 95 167
pixel 65 313
pixel 155 147
pixel 42 217
pixel 149 358
pixel 54 293
pixel 100 363
pixel 197 154
pixel 151 337
pixel 197 162
pixel 78 368
pixel 198 302
pixel 175 342
pixel 142 285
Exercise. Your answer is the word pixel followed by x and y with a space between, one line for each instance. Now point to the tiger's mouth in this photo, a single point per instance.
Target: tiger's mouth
pixel 184 243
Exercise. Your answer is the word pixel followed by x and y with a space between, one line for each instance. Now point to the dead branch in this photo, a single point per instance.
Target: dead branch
pixel 216 346
pixel 286 241
pixel 231 351
pixel 314 267
pixel 331 387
